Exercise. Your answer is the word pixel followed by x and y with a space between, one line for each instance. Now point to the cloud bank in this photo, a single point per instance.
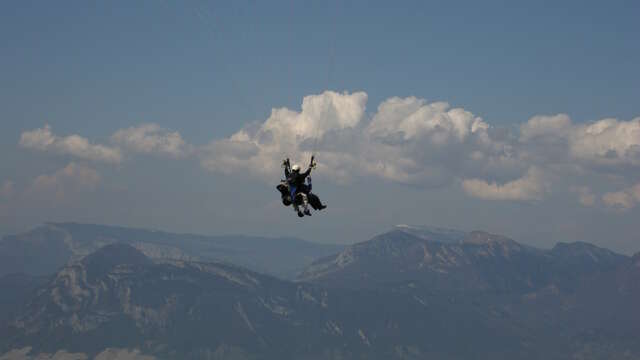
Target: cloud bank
pixel 147 139
pixel 406 140
pixel 77 146
pixel 430 144
pixel 67 182
pixel 260 149
pixel 530 187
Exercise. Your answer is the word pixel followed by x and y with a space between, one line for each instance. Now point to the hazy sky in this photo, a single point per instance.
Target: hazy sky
pixel 518 119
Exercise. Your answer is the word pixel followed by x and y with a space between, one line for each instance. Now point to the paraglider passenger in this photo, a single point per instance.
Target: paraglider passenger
pixel 300 185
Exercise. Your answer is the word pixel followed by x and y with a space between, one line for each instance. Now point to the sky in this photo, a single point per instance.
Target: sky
pixel 518 118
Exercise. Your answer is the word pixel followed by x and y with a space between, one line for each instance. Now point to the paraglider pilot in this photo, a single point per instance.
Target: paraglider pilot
pixel 296 189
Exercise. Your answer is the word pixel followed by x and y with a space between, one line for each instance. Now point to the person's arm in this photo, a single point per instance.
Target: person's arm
pixel 311 166
pixel 287 168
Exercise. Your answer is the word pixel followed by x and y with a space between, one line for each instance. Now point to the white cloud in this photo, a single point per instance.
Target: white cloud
pixel 68 181
pixel 320 114
pixel 624 199
pixel 412 118
pixel 285 133
pixel 415 142
pixel 44 140
pixel 408 141
pixel 411 141
pixel 529 187
pixel 544 127
pixel 151 138
pixel 39 139
pixel 607 142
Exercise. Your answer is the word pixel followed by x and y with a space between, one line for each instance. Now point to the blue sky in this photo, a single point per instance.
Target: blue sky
pixel 208 69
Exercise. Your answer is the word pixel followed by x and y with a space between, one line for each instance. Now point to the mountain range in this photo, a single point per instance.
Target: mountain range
pixel 46 248
pixel 411 293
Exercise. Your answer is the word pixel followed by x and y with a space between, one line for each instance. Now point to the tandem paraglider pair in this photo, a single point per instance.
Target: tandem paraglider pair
pixel 295 189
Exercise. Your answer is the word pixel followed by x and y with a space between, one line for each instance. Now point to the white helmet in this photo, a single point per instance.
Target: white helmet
pixel 295 168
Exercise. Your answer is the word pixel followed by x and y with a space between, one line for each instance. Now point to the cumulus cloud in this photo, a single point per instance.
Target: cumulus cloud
pixel 44 140
pixel 607 142
pixel 286 132
pixel 624 199
pixel 405 140
pixel 68 181
pixel 544 127
pixel 412 118
pixel 529 187
pixel 416 142
pixel 413 141
pixel 151 138
pixel 408 140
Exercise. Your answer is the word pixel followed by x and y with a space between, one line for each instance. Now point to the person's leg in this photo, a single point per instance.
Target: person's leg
pixel 284 194
pixel 296 208
pixel 305 204
pixel 297 204
pixel 315 202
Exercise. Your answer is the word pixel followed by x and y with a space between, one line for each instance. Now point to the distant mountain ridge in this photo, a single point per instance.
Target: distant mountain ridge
pixel 396 296
pixel 476 260
pixel 432 233
pixel 119 298
pixel 46 248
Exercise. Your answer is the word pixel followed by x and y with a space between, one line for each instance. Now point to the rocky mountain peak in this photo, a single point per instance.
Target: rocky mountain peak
pixel 116 254
pixel 430 233
pixel 108 257
pixel 396 296
pixel 485 238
